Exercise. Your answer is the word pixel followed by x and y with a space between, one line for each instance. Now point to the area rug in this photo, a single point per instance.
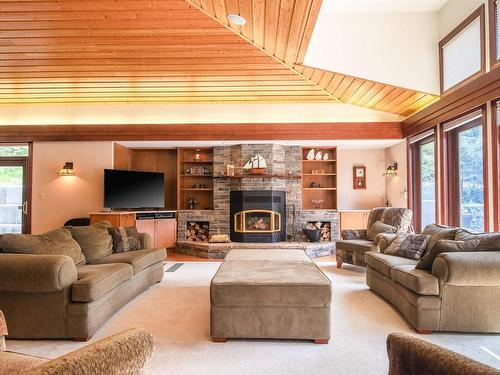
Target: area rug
pixel 176 311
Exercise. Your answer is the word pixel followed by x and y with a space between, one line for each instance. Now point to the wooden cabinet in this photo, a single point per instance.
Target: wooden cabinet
pixel 161 226
pixel 117 219
pixel 354 219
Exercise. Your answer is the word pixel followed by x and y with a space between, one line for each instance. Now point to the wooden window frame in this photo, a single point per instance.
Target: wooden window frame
pixel 494 62
pixel 414 175
pixel 495 149
pixel 479 12
pixel 450 213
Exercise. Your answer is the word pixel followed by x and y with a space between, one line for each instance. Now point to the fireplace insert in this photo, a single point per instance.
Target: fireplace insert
pixel 258 216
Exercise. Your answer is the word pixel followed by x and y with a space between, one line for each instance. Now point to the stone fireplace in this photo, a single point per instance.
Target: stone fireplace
pixel 281 160
pixel 257 216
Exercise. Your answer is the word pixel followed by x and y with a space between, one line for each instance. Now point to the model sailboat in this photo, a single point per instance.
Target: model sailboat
pixel 256 165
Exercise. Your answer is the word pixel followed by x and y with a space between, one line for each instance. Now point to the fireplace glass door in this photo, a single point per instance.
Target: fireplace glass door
pixel 257 221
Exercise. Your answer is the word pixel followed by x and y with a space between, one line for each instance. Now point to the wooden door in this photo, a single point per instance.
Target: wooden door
pixel 166 233
pixel 147 226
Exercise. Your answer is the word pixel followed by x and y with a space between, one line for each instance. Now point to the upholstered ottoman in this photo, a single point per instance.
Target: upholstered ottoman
pixel 275 294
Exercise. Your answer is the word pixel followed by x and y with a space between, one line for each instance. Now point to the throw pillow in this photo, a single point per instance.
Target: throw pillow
pixel 56 242
pixel 125 239
pixel 95 241
pixel 380 227
pixel 352 234
pixel 410 246
pixel 487 241
pixel 437 233
pixel 445 246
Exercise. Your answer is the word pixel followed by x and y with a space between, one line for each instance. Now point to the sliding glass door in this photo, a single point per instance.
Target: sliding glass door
pixel 14 188
pixel 423 169
pixel 427 182
pixel 465 162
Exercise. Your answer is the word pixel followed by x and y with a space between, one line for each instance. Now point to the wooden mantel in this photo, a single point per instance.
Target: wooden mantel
pixel 203 132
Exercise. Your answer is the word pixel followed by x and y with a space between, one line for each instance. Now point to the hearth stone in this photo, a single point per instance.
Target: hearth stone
pixel 219 250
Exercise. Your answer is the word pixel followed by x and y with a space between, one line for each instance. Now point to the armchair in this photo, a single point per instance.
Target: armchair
pixel 356 242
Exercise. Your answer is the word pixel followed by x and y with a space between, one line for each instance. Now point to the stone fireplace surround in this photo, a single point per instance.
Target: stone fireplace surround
pixel 281 160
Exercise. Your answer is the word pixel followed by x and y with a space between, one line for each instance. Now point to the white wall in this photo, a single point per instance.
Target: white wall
pixel 454 12
pixel 395 48
pixel 374 195
pixel 57 199
pixel 396 189
pixel 155 113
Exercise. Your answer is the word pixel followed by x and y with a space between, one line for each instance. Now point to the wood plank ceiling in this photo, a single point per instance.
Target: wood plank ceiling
pixel 283 28
pixel 173 51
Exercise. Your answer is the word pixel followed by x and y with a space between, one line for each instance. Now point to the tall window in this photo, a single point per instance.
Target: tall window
pixel 462 51
pixel 494 14
pixel 424 179
pixel 465 156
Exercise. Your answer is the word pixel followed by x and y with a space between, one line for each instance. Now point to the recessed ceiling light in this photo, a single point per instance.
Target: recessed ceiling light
pixel 236 19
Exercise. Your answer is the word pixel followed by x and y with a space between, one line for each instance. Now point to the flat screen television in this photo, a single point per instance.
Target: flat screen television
pixel 131 189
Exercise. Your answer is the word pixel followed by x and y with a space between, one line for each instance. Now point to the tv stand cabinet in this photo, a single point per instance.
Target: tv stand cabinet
pixel 160 225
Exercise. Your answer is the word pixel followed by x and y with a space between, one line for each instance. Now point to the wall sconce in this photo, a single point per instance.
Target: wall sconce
pixel 67 169
pixel 391 170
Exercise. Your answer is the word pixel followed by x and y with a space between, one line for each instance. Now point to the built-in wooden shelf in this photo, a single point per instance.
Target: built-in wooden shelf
pixel 186 161
pixel 196 189
pixel 319 175
pixel 319 161
pixel 327 179
pixel 197 175
pixel 328 188
pixel 240 176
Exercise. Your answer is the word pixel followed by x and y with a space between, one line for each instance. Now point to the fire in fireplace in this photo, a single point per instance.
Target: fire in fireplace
pixel 258 216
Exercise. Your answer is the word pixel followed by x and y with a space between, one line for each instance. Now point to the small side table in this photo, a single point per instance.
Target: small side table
pixel 3 332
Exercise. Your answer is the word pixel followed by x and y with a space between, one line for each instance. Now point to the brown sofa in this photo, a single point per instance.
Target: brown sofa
pixel 461 293
pixel 127 352
pixel 409 355
pixel 356 242
pixel 48 295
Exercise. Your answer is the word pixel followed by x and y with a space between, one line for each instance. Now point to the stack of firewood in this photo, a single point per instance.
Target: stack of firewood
pixel 197 231
pixel 325 229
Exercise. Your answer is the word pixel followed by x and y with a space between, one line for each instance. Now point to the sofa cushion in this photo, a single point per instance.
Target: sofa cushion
pixel 410 246
pixel 438 232
pixel 124 239
pixel 96 280
pixel 138 259
pixel 56 242
pixel 418 281
pixel 385 263
pixel 445 246
pixel 361 246
pixel 262 283
pixel 487 241
pixel 380 227
pixel 395 216
pixel 94 240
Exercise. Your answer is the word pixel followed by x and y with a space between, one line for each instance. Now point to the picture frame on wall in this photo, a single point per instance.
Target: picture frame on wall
pixel 359 177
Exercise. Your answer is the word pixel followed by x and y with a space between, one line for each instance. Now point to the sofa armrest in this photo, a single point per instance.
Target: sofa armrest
pixel 127 352
pixel 354 234
pixel 383 240
pixel 481 268
pixel 36 272
pixel 410 355
pixel 146 241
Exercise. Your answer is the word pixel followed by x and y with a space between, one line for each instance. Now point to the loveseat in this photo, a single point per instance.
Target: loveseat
pixel 68 282
pixel 127 352
pixel 460 292
pixel 355 243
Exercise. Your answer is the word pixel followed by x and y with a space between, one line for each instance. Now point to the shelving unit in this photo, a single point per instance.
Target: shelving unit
pixel 187 181
pixel 327 190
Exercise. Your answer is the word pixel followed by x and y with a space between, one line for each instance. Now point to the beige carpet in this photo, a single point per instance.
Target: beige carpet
pixel 176 312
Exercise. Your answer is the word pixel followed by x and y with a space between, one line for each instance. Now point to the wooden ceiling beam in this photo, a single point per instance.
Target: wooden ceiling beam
pixel 203 132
